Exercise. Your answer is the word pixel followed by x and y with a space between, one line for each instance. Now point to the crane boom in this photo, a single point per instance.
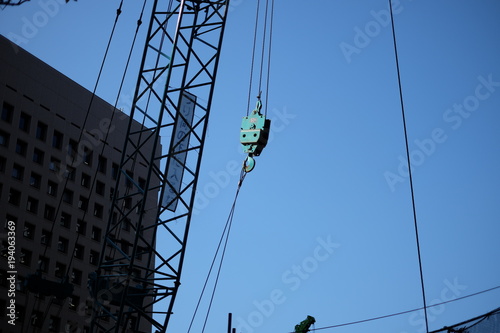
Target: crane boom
pixel 172 103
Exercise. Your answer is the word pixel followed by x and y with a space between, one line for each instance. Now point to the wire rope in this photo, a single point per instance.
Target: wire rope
pixel 224 238
pixel 405 312
pixel 58 209
pixel 269 56
pixel 265 52
pixel 253 55
pixel 412 191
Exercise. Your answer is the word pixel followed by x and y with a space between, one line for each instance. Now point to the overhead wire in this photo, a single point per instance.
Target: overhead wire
pixel 58 208
pixel 224 238
pixel 404 312
pixel 408 160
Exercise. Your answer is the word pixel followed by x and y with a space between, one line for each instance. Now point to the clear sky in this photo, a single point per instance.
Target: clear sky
pixel 324 224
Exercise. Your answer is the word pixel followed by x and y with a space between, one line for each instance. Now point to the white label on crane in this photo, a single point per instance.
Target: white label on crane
pixel 178 151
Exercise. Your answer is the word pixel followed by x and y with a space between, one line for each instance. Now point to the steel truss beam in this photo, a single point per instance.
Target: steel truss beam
pixel 180 59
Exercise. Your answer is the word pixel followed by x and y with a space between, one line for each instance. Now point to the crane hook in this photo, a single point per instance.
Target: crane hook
pixel 248 163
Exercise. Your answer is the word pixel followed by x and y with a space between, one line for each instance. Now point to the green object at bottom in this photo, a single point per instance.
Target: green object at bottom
pixel 304 325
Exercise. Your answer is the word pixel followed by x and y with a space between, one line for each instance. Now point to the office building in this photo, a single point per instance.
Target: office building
pixel 58 170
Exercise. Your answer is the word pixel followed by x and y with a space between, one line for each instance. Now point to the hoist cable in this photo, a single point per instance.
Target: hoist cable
pixel 269 56
pixel 415 223
pixel 263 47
pixel 253 55
pixel 224 238
pixel 265 52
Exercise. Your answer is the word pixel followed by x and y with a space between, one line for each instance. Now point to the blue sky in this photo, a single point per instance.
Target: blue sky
pixel 324 224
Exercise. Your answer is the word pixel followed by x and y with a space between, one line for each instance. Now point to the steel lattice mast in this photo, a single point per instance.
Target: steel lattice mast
pixel 172 102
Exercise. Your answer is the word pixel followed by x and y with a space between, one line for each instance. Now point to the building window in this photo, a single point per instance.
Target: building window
pixel 57 139
pixel 3 163
pixel 98 210
pixel 126 224
pixel 32 205
pixel 142 183
pixel 85 182
pixel 37 319
pixel 102 164
pixel 62 245
pixel 21 147
pixel 114 171
pixel 79 249
pixel 25 257
pixel 14 197
pixel 46 238
pixel 87 156
pixel 129 178
pixel 83 203
pixel 4 253
pixel 81 227
pixel 54 324
pixel 68 196
pixel 60 270
pixel 17 172
pixel 70 173
pixel 50 213
pixel 29 230
pixel 52 188
pixel 127 203
pixel 100 188
pixel 72 148
pixel 38 156
pixel 24 122
pixel 65 220
pixel 43 264
pixel 96 233
pixel 35 180
pixel 41 131
pixel 4 139
pixel 94 257
pixel 55 164
pixel 74 301
pixel 76 276
pixel 7 112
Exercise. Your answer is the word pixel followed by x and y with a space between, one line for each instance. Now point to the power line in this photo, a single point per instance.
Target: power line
pixel 415 223
pixel 404 312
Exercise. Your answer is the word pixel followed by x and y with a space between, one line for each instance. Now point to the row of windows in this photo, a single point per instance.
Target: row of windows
pixel 74 149
pixel 54 321
pixel 54 324
pixel 35 180
pixel 49 211
pixel 38 156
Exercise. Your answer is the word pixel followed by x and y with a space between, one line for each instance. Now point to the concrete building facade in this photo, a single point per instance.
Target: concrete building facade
pixel 60 149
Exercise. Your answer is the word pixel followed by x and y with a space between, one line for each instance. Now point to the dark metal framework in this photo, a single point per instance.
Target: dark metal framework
pixel 180 59
pixel 12 3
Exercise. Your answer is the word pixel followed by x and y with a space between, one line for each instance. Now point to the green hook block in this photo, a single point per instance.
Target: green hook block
pixel 254 133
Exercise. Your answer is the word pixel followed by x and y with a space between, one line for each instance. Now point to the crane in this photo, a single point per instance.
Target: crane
pixel 173 100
